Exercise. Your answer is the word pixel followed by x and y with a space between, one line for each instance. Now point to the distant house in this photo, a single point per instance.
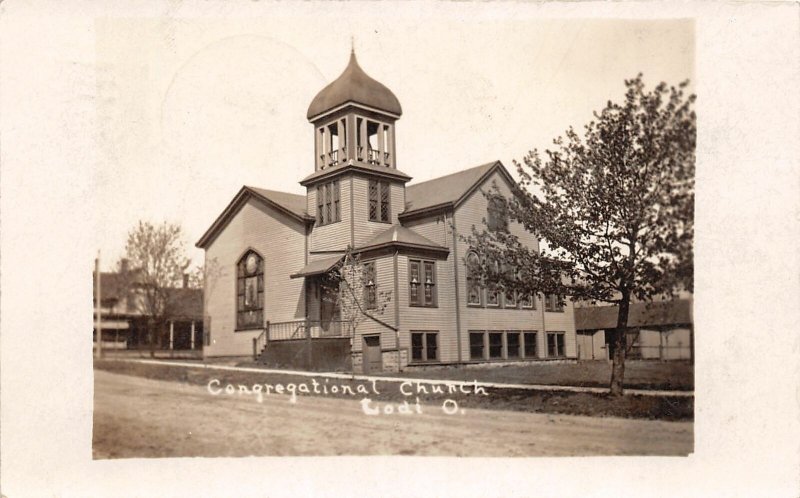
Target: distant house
pixel 661 330
pixel 122 322
pixel 273 250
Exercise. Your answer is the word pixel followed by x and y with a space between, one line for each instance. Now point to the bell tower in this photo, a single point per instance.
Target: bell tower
pixel 354 120
pixel 356 190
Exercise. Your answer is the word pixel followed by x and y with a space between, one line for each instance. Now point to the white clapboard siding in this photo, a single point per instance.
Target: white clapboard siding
pixel 364 230
pixel 473 212
pixel 384 270
pixel 280 240
pixel 333 236
pixel 441 319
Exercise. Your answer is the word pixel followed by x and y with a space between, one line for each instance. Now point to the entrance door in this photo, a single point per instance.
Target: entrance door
pixel 329 314
pixel 372 354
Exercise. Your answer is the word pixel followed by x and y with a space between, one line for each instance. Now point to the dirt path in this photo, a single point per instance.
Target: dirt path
pixel 137 417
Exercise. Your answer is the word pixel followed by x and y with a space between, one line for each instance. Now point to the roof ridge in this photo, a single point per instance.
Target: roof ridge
pixel 461 172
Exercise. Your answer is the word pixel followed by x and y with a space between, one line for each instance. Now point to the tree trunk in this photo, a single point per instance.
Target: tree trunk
pixel 620 346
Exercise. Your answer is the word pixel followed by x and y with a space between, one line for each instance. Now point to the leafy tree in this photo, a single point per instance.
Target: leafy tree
pixel 156 256
pixel 614 209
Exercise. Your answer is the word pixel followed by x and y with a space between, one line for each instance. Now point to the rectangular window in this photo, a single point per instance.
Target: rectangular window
pixel 492 297
pixel 511 299
pixel 512 345
pixel 413 284
pixel 424 346
pixel 384 201
pixel 328 202
pixel 379 201
pixel 530 344
pixel 430 283
pixel 422 283
pixel 373 200
pixel 551 303
pixel 555 344
pixel 476 345
pixel 320 205
pixel 328 206
pixel 495 344
pixel 498 215
pixel 337 210
pixel 527 301
pixel 370 285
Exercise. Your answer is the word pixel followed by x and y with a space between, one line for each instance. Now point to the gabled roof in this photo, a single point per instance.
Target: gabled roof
pixel 354 85
pixel 293 205
pixel 678 311
pixel 450 190
pixel 401 236
pixel 188 303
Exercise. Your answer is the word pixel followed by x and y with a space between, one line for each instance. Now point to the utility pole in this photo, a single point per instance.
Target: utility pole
pixel 98 329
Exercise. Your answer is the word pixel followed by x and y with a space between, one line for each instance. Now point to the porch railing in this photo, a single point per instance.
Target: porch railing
pixel 304 329
pixel 300 330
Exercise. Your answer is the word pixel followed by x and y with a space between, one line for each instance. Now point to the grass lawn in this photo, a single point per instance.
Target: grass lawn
pixel 628 406
pixel 670 376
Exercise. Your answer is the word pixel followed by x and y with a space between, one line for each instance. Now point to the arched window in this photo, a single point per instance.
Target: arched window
pixel 250 291
pixel 474 290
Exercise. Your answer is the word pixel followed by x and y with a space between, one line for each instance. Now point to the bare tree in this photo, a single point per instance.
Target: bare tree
pixel 359 295
pixel 156 262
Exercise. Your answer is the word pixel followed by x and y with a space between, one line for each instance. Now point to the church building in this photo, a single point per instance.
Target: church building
pixel 269 254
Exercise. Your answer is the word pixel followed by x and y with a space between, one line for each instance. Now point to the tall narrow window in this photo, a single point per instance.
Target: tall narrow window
pixel 384 201
pixel 370 285
pixel 512 345
pixel 379 201
pixel 320 205
pixel 555 344
pixel 250 291
pixel 530 344
pixel 337 210
pixel 430 283
pixel 552 304
pixel 414 283
pixel 495 344
pixel 422 283
pixel 373 200
pixel 492 293
pixel 498 215
pixel 473 262
pixel 328 203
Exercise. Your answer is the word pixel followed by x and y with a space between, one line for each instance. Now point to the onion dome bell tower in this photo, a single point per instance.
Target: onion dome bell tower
pixel 356 189
pixel 353 120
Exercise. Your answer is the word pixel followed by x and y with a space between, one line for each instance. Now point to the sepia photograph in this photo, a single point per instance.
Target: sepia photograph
pixel 348 250
pixel 399 248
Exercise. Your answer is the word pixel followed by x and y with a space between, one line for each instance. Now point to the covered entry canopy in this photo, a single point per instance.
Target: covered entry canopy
pixel 318 267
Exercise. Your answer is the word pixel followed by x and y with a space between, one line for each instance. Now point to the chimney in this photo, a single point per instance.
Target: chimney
pixel 185 280
pixel 123 265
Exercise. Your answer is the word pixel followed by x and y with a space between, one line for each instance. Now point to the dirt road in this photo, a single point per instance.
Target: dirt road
pixel 137 417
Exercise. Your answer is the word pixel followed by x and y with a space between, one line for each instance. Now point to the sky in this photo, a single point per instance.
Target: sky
pixel 191 109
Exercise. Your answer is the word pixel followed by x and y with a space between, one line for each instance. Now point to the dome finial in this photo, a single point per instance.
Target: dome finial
pixel 352 44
